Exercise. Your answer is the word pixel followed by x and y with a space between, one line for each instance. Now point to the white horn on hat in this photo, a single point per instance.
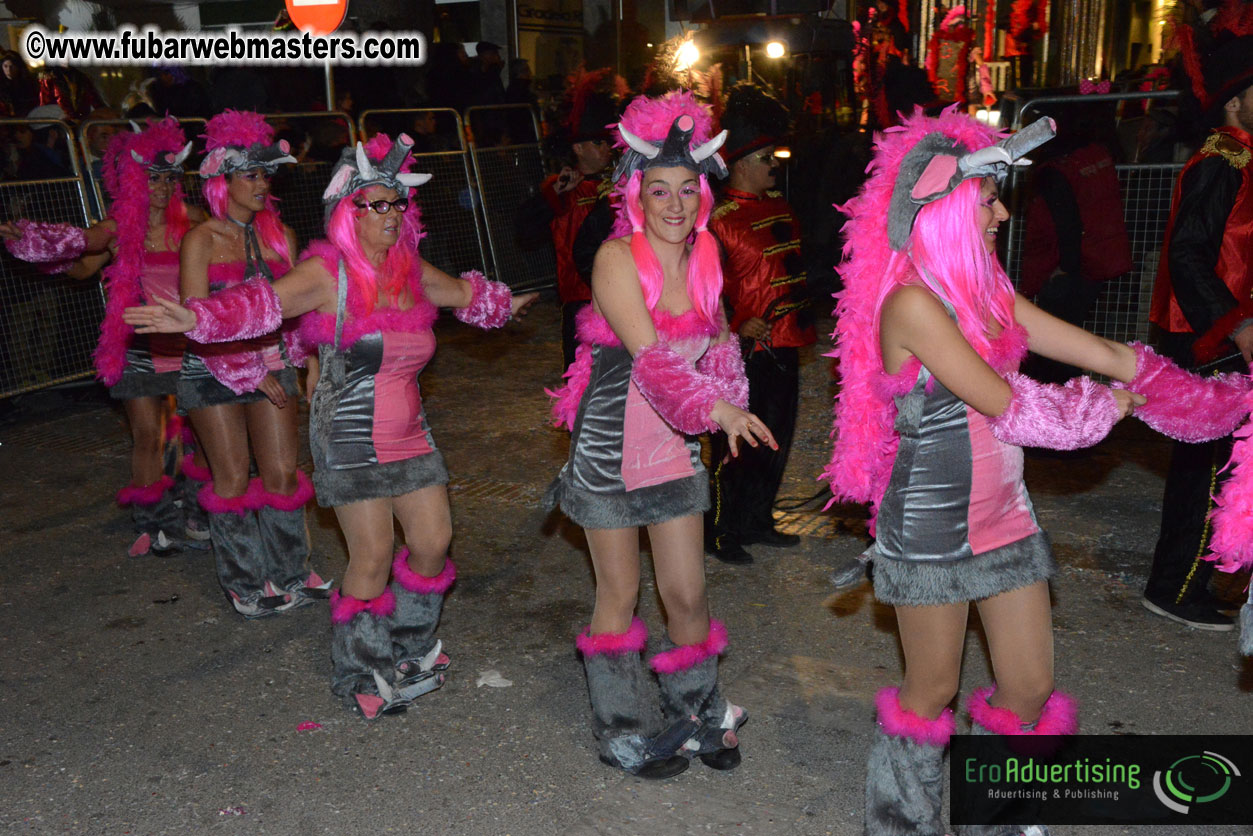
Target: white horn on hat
pixel 701 152
pixel 182 155
pixel 363 164
pixel 640 146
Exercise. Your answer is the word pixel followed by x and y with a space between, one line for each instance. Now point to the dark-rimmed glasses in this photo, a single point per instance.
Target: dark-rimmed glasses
pixel 382 207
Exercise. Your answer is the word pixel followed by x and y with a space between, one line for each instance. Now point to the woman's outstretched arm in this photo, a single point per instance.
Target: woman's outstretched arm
pixel 1050 337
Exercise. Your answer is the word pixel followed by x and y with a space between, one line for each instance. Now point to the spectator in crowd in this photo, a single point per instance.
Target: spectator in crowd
pixel 19 92
pixel 178 94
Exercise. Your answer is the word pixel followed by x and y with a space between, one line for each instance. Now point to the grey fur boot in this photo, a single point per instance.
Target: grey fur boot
pixel 1246 626
pixel 905 771
pixel 688 675
pixel 624 715
pixel 285 542
pixel 158 522
pixel 195 518
pixel 1058 717
pixel 419 602
pixel 237 555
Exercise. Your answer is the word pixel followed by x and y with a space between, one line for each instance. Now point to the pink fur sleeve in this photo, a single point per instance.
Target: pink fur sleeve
pixel 1078 414
pixel 725 364
pixel 1185 406
pixel 491 303
pixel 250 309
pixel 54 247
pixel 681 395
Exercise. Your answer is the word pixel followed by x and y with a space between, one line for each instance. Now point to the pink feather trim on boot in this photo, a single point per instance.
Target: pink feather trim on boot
pixel 614 644
pixel 214 504
pixel 421 584
pixel 144 494
pixel 1183 405
pixel 1078 414
pixel 490 303
pixel 344 608
pixel 259 497
pixel 1060 715
pixel 725 364
pixel 687 656
pixel 901 722
pixel 681 395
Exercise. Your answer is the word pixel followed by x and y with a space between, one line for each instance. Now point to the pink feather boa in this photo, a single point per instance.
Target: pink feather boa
pixel 901 722
pixel 614 644
pixel 592 329
pixel 421 584
pixel 319 329
pixel 865 441
pixel 1186 406
pixel 236 128
pixel 687 656
pixel 344 608
pixel 490 303
pixel 194 471
pixel 1231 544
pixel 1059 716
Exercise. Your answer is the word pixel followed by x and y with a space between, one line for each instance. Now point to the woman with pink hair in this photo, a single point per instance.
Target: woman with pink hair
pixel 367 301
pixel 653 368
pixel 242 395
pixel 137 246
pixel 929 425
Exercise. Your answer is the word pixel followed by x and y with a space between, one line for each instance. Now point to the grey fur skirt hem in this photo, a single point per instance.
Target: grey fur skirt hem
pixel 200 391
pixel 379 481
pixel 630 509
pixel 922 583
pixel 134 384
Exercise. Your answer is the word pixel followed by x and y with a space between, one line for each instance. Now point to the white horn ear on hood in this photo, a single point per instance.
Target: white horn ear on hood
pixel 640 146
pixel 363 164
pixel 701 152
pixel 182 155
pixel 991 155
pixel 135 126
pixel 413 179
pixel 137 158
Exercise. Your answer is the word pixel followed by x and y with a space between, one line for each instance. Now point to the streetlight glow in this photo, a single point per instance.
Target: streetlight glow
pixel 687 55
pixel 774 49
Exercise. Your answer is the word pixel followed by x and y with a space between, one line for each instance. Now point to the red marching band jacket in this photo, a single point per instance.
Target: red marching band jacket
pixel 1234 266
pixel 762 263
pixel 569 211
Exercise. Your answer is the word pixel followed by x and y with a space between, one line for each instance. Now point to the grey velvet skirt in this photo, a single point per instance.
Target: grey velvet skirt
pixel 630 509
pixel 198 388
pixel 344 486
pixel 931 582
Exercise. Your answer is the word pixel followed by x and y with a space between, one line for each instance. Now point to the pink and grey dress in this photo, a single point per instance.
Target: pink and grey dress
pixel 220 373
pixel 627 466
pixel 153 361
pixel 367 427
pixel 956 523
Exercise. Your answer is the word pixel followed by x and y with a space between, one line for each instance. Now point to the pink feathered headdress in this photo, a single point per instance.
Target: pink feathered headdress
pixel 126 181
pixel 865 441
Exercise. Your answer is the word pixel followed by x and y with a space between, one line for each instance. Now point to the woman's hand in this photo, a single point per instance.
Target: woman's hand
pixel 567 180
pixel 1127 402
pixel 9 232
pixel 521 303
pixel 755 329
pixel 165 317
pixel 737 424
pixel 272 389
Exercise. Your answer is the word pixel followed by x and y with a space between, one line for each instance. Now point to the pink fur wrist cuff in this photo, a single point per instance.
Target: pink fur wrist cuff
pixel 1183 405
pixel 490 305
pixel 53 246
pixel 1077 414
pixel 725 364
pixel 247 310
pixel 681 395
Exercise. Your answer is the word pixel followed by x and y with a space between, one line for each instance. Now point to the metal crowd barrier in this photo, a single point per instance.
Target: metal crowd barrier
pixel 49 325
pixel 1121 312
pixel 508 175
pixel 299 188
pixel 454 241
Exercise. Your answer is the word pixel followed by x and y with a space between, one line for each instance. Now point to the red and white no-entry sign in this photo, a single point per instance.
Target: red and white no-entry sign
pixel 319 17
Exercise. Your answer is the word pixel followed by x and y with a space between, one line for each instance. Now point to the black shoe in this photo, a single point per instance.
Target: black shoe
pixel 730 552
pixel 723 759
pixel 772 537
pixel 657 770
pixel 1197 615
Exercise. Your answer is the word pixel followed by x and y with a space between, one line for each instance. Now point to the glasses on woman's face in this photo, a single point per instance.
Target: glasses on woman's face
pixel 169 178
pixel 382 207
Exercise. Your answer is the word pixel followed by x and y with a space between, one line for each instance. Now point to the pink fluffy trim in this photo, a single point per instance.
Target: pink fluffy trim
pixel 725 364
pixel 614 644
pixel 259 497
pixel 194 471
pixel 214 504
pixel 240 371
pixel 144 494
pixel 681 395
pixel 1186 406
pixel 1231 545
pixel 901 722
pixel 687 656
pixel 344 608
pixel 53 246
pixel 566 399
pixel 490 303
pixel 240 128
pixel 421 584
pixel 1060 715
pixel 1078 414
pixel 250 309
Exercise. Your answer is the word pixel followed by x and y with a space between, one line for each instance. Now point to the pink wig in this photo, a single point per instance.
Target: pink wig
pixel 243 129
pixel 650 119
pixel 126 181
pixel 947 244
pixel 403 265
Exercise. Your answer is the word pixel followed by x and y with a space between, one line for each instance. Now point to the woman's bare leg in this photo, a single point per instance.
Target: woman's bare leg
pixel 427 522
pixel 1019 627
pixel 275 442
pixel 932 639
pixel 367 528
pixel 144 416
pixel 223 433
pixel 679 561
pixel 616 562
